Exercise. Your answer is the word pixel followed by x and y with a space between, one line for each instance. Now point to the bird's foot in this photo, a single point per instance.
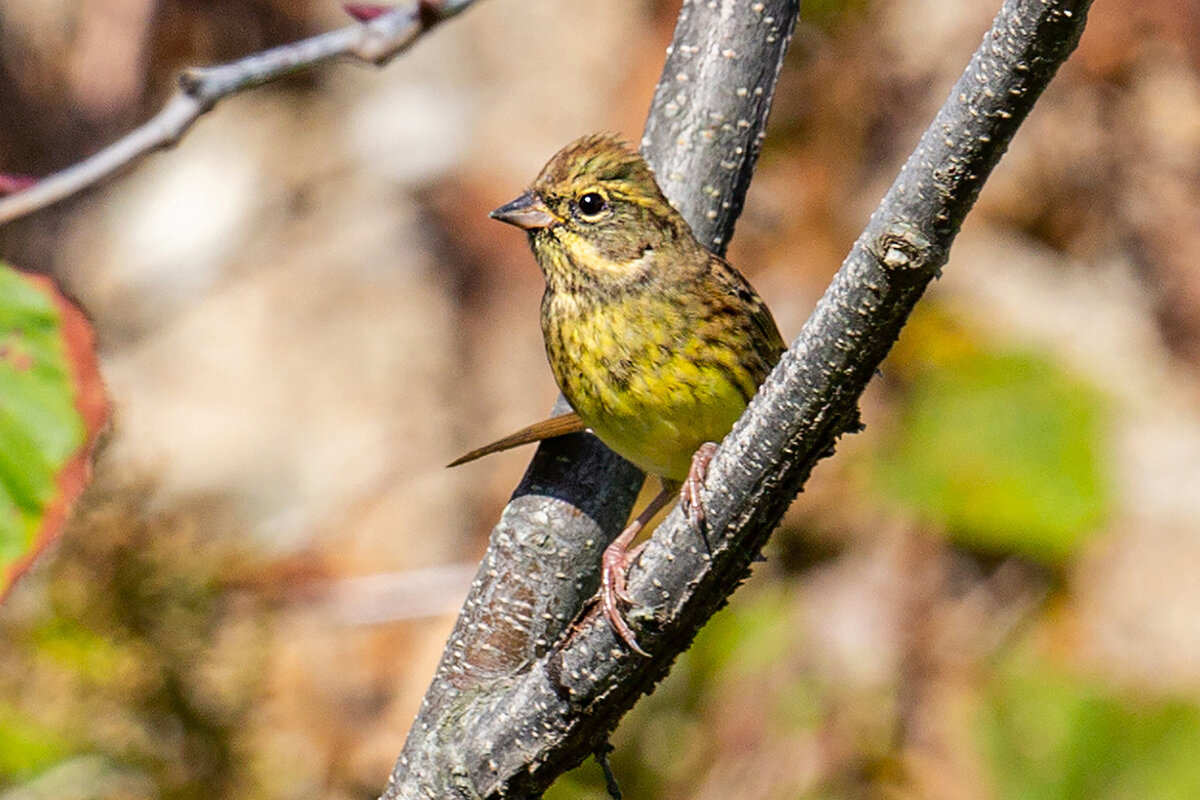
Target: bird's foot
pixel 614 566
pixel 689 492
pixel 614 569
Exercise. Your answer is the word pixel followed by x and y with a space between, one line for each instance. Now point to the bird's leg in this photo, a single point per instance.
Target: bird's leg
pixel 689 493
pixel 614 566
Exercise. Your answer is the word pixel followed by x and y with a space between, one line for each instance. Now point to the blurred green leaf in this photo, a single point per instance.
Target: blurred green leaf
pixel 26 747
pixel 82 651
pixel 1051 735
pixel 751 636
pixel 52 408
pixel 1002 449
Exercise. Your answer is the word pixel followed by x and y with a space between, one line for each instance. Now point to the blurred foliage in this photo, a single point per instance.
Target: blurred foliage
pixel 828 14
pixel 738 701
pixel 1052 734
pixel 117 673
pixel 27 746
pixel 47 376
pixel 1002 448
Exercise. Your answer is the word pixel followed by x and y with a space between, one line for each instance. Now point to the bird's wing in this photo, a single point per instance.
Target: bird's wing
pixel 546 429
pixel 736 284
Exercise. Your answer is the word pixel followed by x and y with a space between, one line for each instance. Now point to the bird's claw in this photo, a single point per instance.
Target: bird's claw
pixel 689 492
pixel 614 566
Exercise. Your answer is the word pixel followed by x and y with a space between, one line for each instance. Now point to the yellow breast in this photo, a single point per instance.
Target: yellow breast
pixel 652 378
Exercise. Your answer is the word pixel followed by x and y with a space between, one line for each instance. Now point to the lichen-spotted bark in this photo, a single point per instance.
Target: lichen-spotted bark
pixel 708 118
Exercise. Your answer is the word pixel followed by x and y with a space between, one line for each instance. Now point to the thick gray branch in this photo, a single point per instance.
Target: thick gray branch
pixel 511 731
pixel 201 88
pixel 702 138
pixel 708 118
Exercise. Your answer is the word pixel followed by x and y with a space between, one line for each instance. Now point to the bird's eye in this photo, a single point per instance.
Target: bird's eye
pixel 592 204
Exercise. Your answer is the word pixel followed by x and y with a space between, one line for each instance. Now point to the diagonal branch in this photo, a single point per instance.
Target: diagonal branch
pixel 509 710
pixel 376 41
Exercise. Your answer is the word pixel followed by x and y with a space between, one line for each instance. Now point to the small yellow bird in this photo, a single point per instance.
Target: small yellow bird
pixel 657 343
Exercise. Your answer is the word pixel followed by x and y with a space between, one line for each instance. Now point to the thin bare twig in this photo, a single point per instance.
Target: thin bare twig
pixel 375 42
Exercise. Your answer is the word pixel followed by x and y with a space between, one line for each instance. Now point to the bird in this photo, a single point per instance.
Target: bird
pixel 656 343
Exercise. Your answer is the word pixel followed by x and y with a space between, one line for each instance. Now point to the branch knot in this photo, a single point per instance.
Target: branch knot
pixel 190 81
pixel 902 249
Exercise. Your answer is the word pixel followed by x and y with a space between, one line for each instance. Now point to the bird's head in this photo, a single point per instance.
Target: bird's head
pixel 595 215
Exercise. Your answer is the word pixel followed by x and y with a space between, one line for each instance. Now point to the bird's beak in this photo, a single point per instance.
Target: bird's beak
pixel 527 211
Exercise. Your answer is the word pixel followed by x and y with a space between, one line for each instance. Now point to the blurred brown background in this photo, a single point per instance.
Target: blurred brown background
pixel 304 313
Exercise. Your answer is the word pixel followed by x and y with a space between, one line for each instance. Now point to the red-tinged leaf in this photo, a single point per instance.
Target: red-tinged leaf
pixel 11 184
pixel 365 12
pixel 52 410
